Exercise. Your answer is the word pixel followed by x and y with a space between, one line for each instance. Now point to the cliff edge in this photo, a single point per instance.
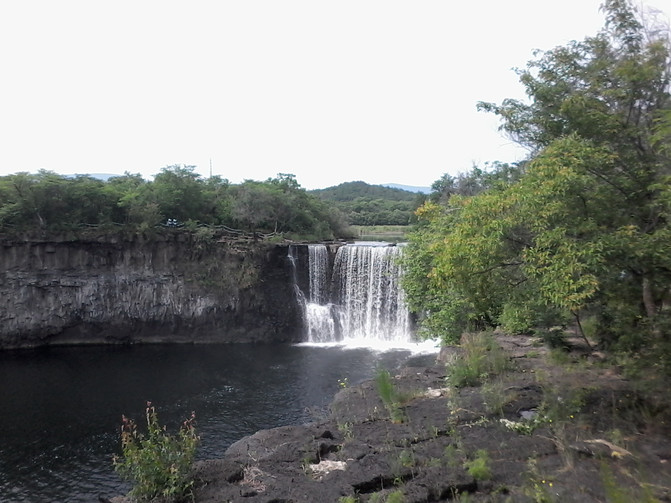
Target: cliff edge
pixel 172 286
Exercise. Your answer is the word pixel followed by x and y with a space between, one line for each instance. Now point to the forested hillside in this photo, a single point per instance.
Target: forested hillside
pixel 177 196
pixel 580 233
pixel 364 204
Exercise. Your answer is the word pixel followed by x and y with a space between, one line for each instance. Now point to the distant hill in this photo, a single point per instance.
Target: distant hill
pixel 349 191
pixel 409 188
pixel 365 204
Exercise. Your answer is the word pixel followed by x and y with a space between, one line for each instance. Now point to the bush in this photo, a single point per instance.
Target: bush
pixel 390 396
pixel 482 358
pixel 478 468
pixel 158 465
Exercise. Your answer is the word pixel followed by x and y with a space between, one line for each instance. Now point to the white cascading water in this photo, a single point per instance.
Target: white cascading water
pixel 317 310
pixel 371 303
pixel 361 302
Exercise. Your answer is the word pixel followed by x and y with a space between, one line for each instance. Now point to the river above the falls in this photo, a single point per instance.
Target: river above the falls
pixel 60 408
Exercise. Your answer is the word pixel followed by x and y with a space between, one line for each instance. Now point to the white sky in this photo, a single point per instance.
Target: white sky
pixel 382 91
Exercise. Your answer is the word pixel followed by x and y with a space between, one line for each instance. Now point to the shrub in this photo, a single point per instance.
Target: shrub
pixel 482 358
pixel 478 468
pixel 157 464
pixel 395 497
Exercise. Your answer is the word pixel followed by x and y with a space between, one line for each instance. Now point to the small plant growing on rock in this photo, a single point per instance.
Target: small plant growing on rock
pixel 478 468
pixel 482 358
pixel 346 430
pixel 389 395
pixel 157 464
pixel 537 487
pixel 395 497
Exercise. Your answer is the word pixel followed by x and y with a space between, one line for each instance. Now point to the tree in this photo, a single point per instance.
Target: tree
pixel 474 182
pixel 179 193
pixel 20 201
pixel 585 222
pixel 120 190
pixel 252 206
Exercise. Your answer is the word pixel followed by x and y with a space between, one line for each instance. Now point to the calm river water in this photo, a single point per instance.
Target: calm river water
pixel 60 408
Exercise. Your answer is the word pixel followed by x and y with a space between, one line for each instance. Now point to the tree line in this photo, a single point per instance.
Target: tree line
pixel 365 204
pixel 48 201
pixel 580 232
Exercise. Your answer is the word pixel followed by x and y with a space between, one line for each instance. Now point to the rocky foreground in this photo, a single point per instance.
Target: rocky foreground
pixel 539 432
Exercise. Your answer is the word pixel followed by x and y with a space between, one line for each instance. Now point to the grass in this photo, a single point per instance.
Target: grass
pixel 385 232
pixel 496 395
pixel 615 493
pixel 482 358
pixel 537 487
pixel 389 395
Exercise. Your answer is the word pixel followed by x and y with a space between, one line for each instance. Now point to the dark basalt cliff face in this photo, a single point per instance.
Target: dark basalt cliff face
pixel 172 287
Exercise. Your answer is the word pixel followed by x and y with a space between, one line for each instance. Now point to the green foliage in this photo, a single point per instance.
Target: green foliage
pixel 478 467
pixel 474 182
pixel 395 497
pixel 537 487
pixel 380 232
pixel 482 358
pixel 555 339
pixel 385 387
pixel 559 407
pixel 389 395
pixel 452 455
pixel 347 430
pixel 615 493
pixel 157 464
pixel 582 227
pixel 517 319
pixel 496 395
pixel 47 201
pixel 364 204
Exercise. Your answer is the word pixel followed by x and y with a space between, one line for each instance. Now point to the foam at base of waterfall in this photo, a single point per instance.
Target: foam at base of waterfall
pixel 428 346
pixel 320 325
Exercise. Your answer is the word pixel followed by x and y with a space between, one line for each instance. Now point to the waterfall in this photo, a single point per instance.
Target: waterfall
pixel 359 300
pixel 318 263
pixel 367 291
pixel 319 321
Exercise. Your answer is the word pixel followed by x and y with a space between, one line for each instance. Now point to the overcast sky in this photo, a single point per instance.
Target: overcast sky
pixel 382 91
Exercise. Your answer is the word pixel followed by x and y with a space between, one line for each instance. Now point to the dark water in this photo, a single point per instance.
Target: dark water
pixel 60 408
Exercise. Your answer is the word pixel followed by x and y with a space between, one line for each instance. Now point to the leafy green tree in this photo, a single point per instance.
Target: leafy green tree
pixel 252 206
pixel 583 225
pixel 48 201
pixel 218 199
pixel 473 182
pixel 119 189
pixel 20 202
pixel 281 205
pixel 179 193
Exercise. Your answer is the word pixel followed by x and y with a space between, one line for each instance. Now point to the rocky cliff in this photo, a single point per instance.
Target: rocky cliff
pixel 173 286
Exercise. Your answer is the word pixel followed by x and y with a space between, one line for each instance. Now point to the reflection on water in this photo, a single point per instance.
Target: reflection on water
pixel 60 408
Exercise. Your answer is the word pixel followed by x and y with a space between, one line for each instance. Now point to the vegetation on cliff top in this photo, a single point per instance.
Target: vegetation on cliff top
pixel 49 202
pixel 579 231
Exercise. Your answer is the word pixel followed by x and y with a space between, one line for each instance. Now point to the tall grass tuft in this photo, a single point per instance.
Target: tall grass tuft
pixel 482 358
